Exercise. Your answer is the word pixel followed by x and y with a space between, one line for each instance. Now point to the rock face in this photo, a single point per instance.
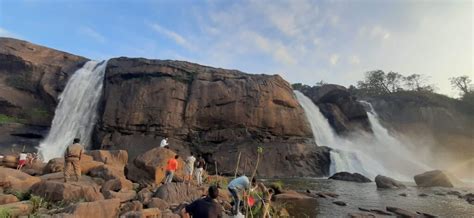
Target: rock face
pixel 203 109
pixel 387 182
pixel 104 208
pixel 339 106
pixel 31 79
pixel 433 178
pixel 350 177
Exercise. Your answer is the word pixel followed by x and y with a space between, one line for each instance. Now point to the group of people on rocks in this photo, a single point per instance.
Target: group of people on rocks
pixel 208 206
pixel 204 207
pixel 26 158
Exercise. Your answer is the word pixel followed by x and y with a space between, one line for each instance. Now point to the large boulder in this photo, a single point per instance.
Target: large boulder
pixel 387 182
pixel 22 208
pixel 7 199
pixel 176 193
pixel 291 195
pixel 118 158
pixel 103 208
pixel 31 79
pixel 16 180
pixel 57 165
pixel 158 203
pixel 350 177
pixel 433 178
pixel 151 165
pixel 69 192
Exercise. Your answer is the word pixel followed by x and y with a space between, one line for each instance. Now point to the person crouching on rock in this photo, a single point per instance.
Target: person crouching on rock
pixel 207 207
pixel 240 184
pixel 71 160
pixel 171 167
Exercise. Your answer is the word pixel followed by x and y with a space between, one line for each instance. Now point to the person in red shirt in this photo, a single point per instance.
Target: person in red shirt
pixel 171 167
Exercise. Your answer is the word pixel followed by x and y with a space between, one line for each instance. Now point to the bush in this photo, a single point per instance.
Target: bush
pixel 6 212
pixel 38 202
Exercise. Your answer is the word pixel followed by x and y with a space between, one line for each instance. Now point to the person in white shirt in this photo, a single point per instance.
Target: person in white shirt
pixel 200 163
pixel 189 167
pixel 164 143
pixel 22 161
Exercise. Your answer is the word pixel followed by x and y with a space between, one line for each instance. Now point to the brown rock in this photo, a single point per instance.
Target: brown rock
pixel 10 161
pixel 107 172
pixel 22 208
pixel 401 212
pixel 7 199
pixel 387 182
pixel 117 158
pixel 72 191
pixel 16 179
pixel 102 208
pixel 146 213
pixel 124 196
pixel 433 178
pixel 158 203
pixel 291 195
pixel 131 206
pixel 340 203
pixel 117 185
pixel 145 196
pixel 154 163
pixel 169 214
pixel 175 193
pixel 54 165
pixel 361 215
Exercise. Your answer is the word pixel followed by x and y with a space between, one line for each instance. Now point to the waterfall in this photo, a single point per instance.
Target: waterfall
pixel 76 113
pixel 363 153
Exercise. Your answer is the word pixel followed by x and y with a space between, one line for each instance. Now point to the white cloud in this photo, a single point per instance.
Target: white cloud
pixel 91 33
pixel 333 59
pixel 374 32
pixel 177 38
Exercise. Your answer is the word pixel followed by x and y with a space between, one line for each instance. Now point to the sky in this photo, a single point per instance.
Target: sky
pixel 302 40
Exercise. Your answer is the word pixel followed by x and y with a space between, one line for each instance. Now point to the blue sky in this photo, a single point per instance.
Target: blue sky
pixel 302 40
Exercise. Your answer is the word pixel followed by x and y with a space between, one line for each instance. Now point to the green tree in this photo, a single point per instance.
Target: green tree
pixel 462 83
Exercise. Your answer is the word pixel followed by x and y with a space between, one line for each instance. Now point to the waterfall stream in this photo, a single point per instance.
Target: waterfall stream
pixel 367 154
pixel 76 113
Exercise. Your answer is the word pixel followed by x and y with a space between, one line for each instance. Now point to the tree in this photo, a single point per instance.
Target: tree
pixel 416 82
pixel 393 81
pixel 374 83
pixel 463 83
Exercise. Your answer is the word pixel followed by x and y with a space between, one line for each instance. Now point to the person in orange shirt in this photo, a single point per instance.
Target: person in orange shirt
pixel 171 167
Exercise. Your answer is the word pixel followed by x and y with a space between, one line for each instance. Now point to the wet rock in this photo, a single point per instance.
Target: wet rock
pixel 423 195
pixel 403 194
pixel 340 203
pixel 364 209
pixel 433 178
pixel 17 180
pixel 291 195
pixel 102 208
pixel 387 182
pixel 22 208
pixel 440 194
pixel 361 215
pixel 71 191
pixel 469 198
pixel 158 203
pixel 401 212
pixel 175 193
pixel 350 177
pixel 381 212
pixel 453 192
pixel 7 199
pixel 427 215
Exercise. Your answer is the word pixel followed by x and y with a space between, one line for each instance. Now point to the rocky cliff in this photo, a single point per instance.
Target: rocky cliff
pixel 31 79
pixel 344 113
pixel 207 110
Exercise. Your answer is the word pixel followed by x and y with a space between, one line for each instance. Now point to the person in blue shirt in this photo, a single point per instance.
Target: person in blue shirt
pixel 239 185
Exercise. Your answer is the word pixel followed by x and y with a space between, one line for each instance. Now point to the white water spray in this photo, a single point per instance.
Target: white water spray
pixel 363 153
pixel 76 113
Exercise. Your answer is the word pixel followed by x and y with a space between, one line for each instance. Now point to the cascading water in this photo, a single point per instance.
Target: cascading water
pixel 76 113
pixel 367 154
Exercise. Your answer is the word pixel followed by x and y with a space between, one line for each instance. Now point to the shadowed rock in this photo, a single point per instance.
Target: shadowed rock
pixel 350 177
pixel 387 182
pixel 433 178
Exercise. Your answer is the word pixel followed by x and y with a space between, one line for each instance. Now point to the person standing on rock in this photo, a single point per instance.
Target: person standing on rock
pixel 189 168
pixel 22 160
pixel 171 167
pixel 237 185
pixel 207 207
pixel 164 143
pixel 200 163
pixel 71 160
